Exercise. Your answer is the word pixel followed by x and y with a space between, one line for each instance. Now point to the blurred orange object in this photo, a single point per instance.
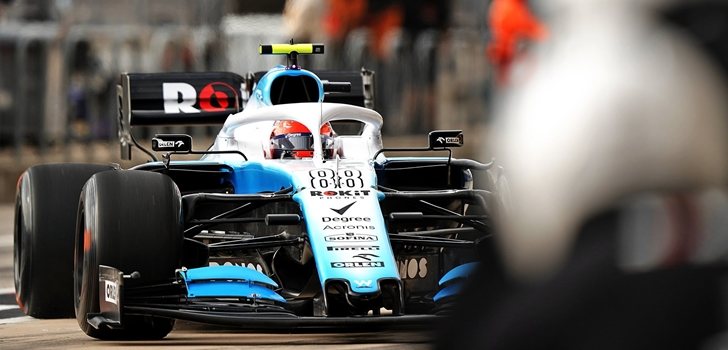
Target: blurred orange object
pixel 382 24
pixel 510 21
pixel 382 18
pixel 342 16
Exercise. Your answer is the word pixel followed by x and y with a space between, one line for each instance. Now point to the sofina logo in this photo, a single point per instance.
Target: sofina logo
pixel 351 237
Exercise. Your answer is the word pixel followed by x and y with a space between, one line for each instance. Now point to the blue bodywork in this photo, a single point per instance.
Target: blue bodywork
pixel 454 280
pixel 262 91
pixel 255 177
pixel 229 281
pixel 363 271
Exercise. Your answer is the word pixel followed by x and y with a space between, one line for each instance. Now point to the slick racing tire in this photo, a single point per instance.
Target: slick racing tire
pixel 130 220
pixel 45 224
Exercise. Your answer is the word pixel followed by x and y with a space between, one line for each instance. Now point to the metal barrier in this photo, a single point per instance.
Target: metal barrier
pixel 429 81
pixel 25 57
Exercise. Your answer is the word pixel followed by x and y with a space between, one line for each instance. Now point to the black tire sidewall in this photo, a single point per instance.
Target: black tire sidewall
pixel 45 221
pixel 130 220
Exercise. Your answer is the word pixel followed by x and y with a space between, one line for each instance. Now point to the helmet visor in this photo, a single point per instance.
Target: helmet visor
pixel 299 142
pixel 296 141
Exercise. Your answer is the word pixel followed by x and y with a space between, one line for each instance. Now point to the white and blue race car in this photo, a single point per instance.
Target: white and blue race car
pixel 293 218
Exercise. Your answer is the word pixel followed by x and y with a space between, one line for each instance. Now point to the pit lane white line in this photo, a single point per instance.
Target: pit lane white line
pixel 8 307
pixel 15 319
pixel 9 294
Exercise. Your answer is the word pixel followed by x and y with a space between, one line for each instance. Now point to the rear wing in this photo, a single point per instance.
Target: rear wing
pixel 175 99
pixel 149 99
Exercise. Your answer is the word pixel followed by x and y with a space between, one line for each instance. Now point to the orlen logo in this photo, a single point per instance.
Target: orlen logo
pixel 347 264
pixel 168 144
pixel 181 97
pixel 448 139
pixel 111 292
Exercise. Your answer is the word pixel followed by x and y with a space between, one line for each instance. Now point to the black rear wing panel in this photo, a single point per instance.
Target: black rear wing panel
pixel 182 98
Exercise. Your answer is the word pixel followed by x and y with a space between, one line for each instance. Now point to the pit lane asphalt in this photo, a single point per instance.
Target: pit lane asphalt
pixel 22 332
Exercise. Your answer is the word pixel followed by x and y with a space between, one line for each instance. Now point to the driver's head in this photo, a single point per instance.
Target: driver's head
pixel 291 139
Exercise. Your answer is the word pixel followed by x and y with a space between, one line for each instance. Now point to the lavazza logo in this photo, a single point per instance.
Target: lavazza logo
pixel 351 237
pixel 341 194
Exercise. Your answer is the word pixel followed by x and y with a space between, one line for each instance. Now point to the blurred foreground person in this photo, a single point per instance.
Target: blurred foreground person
pixel 616 147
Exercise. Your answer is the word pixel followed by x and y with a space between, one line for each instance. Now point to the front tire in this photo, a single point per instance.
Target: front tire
pixel 130 220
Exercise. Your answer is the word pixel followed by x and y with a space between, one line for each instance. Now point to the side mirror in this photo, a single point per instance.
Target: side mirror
pixel 179 143
pixel 445 138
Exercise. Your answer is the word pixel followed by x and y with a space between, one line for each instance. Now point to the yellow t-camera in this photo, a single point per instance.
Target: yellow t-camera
pixel 288 49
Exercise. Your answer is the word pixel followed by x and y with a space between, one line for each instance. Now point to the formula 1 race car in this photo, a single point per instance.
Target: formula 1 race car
pixel 293 218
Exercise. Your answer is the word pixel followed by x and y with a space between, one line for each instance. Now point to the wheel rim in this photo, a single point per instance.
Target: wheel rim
pixel 79 259
pixel 18 269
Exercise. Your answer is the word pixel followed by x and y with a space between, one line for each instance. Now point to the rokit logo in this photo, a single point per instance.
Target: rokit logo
pixel 354 248
pixel 213 97
pixel 356 264
pixel 341 194
pixel 351 237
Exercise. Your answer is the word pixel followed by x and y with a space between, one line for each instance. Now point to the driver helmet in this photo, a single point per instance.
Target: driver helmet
pixel 291 139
